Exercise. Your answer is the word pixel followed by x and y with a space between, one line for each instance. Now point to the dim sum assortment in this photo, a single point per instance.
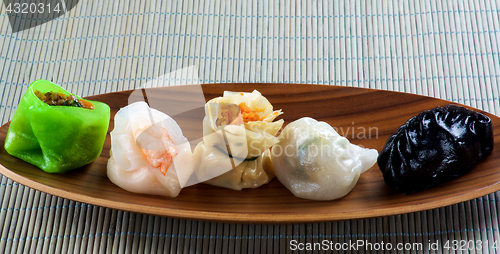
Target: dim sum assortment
pixel 58 131
pixel 314 162
pixel 434 147
pixel 55 130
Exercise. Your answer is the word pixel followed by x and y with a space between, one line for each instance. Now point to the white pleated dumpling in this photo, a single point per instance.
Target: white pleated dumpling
pixel 149 153
pixel 314 162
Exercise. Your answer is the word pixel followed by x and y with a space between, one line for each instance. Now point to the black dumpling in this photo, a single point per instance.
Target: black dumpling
pixel 434 147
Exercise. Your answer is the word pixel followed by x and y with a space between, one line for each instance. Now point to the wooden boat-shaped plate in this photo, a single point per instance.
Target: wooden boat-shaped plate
pixel 366 116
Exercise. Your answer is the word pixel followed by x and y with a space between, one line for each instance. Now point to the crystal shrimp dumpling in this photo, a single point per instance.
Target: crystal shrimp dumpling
pixel 314 162
pixel 149 153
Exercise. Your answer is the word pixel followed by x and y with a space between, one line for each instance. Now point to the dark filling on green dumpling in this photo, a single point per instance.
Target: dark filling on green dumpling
pixel 60 99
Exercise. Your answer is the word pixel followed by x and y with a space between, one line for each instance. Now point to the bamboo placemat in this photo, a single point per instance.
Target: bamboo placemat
pixel 444 49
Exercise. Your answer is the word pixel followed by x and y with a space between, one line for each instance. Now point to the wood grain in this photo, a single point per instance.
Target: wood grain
pixel 350 110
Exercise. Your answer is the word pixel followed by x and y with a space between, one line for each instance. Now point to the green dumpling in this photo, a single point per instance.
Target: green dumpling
pixel 62 136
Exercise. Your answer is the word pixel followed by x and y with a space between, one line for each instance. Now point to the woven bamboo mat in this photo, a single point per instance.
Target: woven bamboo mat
pixel 444 49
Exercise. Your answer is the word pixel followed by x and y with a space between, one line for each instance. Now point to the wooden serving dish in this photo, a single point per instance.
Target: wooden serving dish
pixel 366 116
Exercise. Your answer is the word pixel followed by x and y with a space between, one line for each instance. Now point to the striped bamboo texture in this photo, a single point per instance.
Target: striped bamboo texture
pixel 444 49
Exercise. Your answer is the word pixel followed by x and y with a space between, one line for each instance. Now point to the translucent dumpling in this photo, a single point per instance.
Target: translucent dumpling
pixel 314 162
pixel 149 153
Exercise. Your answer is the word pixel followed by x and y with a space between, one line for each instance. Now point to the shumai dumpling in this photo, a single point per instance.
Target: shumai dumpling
pixel 314 162
pixel 238 129
pixel 250 110
pixel 243 173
